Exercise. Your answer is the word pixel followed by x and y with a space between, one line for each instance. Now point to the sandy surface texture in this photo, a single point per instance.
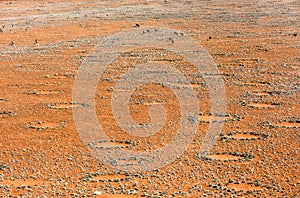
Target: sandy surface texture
pixel 255 46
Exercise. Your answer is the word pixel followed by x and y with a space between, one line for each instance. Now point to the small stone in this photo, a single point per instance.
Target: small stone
pixel 97 193
pixel 10 113
pixel 3 166
pixel 171 40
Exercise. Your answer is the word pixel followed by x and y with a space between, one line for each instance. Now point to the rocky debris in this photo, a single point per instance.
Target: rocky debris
pixel 3 166
pixel 9 113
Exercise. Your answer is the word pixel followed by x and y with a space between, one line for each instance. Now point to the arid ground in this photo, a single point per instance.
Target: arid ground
pixel 255 46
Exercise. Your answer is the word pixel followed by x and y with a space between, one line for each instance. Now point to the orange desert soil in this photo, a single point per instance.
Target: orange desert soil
pixel 256 47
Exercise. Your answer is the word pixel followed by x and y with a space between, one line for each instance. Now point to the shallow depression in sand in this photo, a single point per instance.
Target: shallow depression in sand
pixel 44 125
pixel 253 83
pixel 260 93
pixel 244 187
pixel 223 157
pixel 27 182
pixel 116 196
pixel 66 106
pixel 296 67
pixel 109 145
pixel 241 136
pixel 262 105
pixel 152 103
pixel 206 118
pixel 44 92
pixel 187 85
pixel 287 124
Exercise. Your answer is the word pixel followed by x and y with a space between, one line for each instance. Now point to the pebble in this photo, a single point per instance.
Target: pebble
pixel 97 193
